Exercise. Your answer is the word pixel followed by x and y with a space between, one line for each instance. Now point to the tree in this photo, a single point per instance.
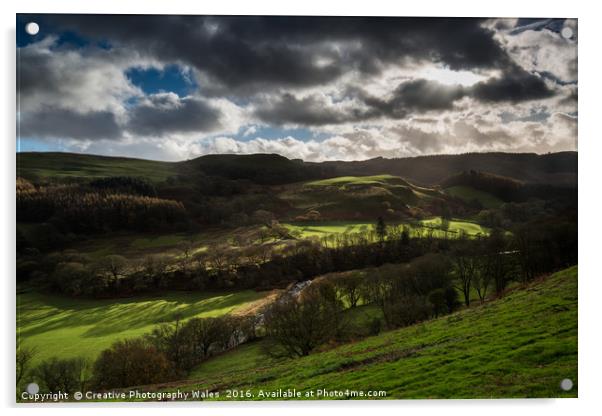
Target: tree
pixel 264 217
pixel 114 265
pixel 25 355
pixel 296 326
pixel 437 300
pixel 465 266
pixel 451 299
pixel 406 310
pixel 445 224
pixel 349 284
pixel 202 334
pixel 71 277
pixel 131 362
pixel 381 229
pixel 62 375
pixel 168 339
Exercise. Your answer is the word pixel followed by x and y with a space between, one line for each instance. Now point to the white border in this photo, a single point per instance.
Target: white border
pixel 590 152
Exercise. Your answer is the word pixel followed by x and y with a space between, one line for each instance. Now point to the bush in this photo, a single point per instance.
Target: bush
pixel 452 300
pixel 131 362
pixel 295 326
pixel 375 326
pixel 438 302
pixel 406 310
pixel 62 375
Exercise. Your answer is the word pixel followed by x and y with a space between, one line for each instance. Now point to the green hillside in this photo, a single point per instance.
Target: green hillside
pixel 469 194
pixel 360 180
pixel 522 345
pixel 357 197
pixel 32 165
pixel 69 327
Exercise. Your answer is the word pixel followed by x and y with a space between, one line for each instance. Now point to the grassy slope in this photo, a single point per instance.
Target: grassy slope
pixel 67 327
pixel 455 226
pixel 32 165
pixel 522 345
pixel 355 197
pixel 324 228
pixel 468 194
pixel 359 180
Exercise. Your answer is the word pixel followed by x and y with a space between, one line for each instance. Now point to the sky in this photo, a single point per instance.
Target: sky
pixel 312 88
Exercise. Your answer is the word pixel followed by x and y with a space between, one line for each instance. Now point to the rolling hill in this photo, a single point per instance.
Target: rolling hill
pixel 469 194
pixel 69 327
pixel 521 345
pixel 358 197
pixel 555 168
pixel 48 165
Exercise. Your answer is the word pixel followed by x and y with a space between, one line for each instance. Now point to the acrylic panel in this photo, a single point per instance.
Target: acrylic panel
pixel 295 208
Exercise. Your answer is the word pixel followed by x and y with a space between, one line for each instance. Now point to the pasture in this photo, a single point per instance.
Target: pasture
pixel 487 351
pixel 417 229
pixel 31 165
pixel 72 327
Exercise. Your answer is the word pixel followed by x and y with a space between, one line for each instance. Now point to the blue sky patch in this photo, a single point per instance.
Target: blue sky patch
pixel 172 78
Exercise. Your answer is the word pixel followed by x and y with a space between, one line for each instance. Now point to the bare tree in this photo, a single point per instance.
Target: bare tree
pixel 296 326
pixel 25 355
pixel 114 265
pixel 349 284
pixel 465 266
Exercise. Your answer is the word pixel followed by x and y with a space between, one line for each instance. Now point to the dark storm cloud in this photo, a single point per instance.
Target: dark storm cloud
pixel 306 111
pixel 410 97
pixel 267 70
pixel 247 50
pixel 418 95
pixel 166 113
pixel 63 123
pixel 513 86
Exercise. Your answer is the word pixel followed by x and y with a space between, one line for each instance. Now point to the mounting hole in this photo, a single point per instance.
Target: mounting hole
pixel 566 384
pixel 566 32
pixel 33 388
pixel 32 28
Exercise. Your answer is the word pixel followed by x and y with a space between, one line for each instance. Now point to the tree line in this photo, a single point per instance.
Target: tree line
pixel 103 205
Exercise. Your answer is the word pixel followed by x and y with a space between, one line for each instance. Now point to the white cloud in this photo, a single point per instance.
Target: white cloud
pixel 543 51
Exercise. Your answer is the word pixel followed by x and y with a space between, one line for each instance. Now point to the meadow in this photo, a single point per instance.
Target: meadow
pixel 417 229
pixel 74 327
pixel 69 166
pixel 518 346
pixel 136 246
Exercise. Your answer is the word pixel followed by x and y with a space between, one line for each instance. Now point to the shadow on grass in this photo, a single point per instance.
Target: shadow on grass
pixel 39 313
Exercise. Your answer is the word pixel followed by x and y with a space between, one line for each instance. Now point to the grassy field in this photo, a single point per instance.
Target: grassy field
pixel 522 345
pixel 355 197
pixel 31 165
pixel 359 180
pixel 468 194
pixel 66 327
pixel 139 245
pixel 456 226
pixel 325 228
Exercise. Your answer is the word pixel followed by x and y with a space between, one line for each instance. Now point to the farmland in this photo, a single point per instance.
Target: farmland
pixel 66 327
pixel 487 351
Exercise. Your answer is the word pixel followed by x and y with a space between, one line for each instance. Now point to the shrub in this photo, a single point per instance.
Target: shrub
pixel 64 375
pixel 297 325
pixel 406 310
pixel 131 362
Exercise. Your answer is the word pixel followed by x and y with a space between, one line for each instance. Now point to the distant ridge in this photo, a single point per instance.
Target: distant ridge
pixel 559 169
